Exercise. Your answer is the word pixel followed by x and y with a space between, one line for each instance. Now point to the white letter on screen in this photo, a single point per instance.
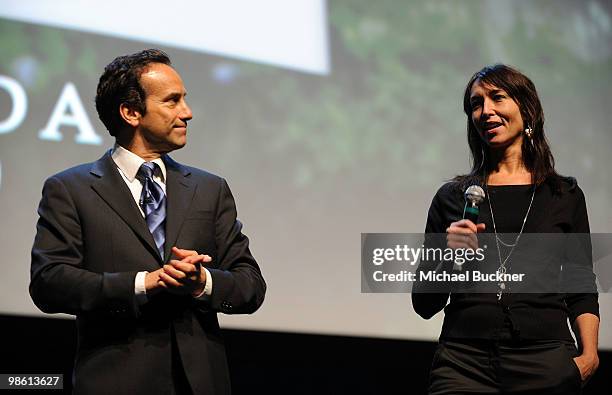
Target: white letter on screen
pixel 77 117
pixel 20 104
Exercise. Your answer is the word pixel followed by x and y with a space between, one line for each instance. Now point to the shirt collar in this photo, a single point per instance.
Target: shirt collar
pixel 129 163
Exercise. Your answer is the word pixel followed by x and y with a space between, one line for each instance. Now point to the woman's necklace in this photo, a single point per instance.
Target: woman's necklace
pixel 502 263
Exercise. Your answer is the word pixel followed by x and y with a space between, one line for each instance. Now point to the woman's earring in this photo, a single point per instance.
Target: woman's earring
pixel 529 134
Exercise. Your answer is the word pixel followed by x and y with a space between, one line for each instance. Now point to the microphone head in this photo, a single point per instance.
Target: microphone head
pixel 474 194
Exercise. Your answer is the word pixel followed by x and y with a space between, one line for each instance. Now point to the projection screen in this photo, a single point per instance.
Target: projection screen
pixel 328 119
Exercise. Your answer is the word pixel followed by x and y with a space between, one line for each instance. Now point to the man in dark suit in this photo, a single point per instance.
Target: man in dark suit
pixel 143 250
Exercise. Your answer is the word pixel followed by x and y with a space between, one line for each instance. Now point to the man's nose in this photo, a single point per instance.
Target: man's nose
pixel 186 113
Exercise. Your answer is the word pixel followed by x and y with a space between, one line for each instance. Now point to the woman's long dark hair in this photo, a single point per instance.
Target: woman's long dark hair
pixel 537 158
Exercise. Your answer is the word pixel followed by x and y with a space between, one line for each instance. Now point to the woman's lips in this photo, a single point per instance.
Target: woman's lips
pixel 493 129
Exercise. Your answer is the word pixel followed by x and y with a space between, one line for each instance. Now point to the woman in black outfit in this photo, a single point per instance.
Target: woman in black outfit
pixel 505 342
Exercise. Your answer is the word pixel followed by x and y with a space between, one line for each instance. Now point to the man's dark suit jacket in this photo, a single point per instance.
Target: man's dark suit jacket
pixel 92 240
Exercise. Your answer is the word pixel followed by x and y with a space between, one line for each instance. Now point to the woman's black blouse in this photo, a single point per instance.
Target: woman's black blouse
pixel 532 316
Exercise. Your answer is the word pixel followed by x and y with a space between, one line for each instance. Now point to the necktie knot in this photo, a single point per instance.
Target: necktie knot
pixel 146 170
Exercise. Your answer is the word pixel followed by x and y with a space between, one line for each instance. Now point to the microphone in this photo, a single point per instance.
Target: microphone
pixel 474 195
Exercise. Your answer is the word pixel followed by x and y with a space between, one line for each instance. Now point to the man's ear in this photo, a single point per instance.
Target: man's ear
pixel 129 115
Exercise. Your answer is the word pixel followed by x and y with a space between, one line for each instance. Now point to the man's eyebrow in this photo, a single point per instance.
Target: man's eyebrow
pixel 172 95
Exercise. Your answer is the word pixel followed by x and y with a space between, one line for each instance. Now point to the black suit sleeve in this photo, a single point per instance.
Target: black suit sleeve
pixel 60 282
pixel 238 285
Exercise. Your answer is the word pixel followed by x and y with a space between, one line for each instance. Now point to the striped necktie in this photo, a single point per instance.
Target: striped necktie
pixel 153 204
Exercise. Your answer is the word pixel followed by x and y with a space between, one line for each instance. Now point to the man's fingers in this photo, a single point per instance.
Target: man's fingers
pixel 181 271
pixel 185 267
pixel 185 273
pixel 174 273
pixel 197 258
pixel 181 253
pixel 169 281
pixel 190 256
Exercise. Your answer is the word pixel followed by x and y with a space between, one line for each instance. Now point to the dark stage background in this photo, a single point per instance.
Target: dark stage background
pixel 267 362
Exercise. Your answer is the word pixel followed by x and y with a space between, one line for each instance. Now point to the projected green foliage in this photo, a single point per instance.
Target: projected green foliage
pixel 400 68
pixel 38 55
pixel 390 108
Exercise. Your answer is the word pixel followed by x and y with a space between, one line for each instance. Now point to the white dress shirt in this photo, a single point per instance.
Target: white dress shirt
pixel 128 164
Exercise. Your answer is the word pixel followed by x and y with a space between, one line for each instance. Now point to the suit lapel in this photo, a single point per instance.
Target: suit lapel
pixel 113 190
pixel 179 194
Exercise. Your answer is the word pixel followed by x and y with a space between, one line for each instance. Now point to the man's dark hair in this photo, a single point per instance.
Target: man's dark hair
pixel 120 84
